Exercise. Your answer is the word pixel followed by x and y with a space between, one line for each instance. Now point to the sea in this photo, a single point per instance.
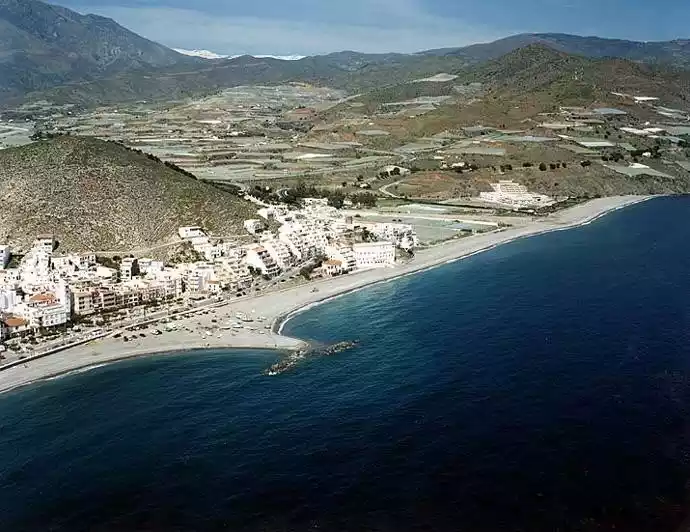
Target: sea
pixel 540 386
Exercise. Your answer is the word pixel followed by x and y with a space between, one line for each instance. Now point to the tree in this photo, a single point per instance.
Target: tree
pixel 552 166
pixel 366 199
pixel 336 199
pixel 542 167
pixel 526 165
pixel 585 164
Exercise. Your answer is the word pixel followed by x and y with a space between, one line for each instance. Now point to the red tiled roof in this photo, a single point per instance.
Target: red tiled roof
pixel 14 321
pixel 42 298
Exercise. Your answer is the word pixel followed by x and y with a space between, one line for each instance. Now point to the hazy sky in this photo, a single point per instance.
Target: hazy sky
pixel 321 26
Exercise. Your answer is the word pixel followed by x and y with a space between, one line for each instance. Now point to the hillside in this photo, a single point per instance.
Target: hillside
pixel 672 53
pixel 100 196
pixel 522 57
pixel 51 53
pixel 43 45
pixel 526 81
pixel 571 79
pixel 348 71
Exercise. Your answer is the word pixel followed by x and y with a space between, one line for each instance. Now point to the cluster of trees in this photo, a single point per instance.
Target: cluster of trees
pixel 553 166
pixel 109 262
pixel 46 135
pixel 294 195
pixel 472 167
pixel 543 166
pixel 307 270
pixel 256 272
pixel 615 157
pixel 186 253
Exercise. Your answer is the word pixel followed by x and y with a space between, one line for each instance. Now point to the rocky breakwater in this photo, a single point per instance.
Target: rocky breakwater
pixel 292 360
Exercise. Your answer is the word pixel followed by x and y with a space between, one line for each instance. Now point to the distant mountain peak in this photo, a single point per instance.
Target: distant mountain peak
pixel 44 45
pixel 204 54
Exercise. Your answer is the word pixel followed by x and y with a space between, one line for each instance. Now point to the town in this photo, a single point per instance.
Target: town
pixel 46 294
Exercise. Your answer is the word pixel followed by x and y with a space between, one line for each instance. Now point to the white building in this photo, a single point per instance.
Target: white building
pixel 150 268
pixel 189 232
pixel 198 276
pixel 35 268
pixel 279 252
pixel 254 226
pixel 514 195
pixel 304 239
pixel 129 267
pixel 73 263
pixel 171 281
pixel 43 311
pixel 332 267
pixel 8 299
pixel 259 257
pixel 209 251
pixel 63 293
pixel 5 256
pixel 401 235
pixel 234 272
pixel 344 255
pixel 107 274
pixel 45 243
pixel 374 255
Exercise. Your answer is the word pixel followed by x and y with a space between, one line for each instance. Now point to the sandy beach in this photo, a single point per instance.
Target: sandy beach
pixel 277 307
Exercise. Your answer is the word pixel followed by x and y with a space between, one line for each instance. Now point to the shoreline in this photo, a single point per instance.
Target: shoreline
pixel 282 306
pixel 280 322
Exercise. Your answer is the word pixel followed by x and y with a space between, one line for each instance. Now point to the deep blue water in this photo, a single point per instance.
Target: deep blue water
pixel 542 386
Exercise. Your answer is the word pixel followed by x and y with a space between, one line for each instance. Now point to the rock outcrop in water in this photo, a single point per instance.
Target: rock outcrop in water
pixel 293 359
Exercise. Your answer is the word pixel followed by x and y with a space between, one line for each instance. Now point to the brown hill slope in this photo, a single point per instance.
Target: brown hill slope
pixel 100 196
pixel 571 78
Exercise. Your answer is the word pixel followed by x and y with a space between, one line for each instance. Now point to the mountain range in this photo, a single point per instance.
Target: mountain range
pixel 672 53
pixel 50 52
pixel 44 45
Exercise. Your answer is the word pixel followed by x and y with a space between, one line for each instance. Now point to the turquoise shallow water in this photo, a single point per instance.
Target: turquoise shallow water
pixel 540 386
